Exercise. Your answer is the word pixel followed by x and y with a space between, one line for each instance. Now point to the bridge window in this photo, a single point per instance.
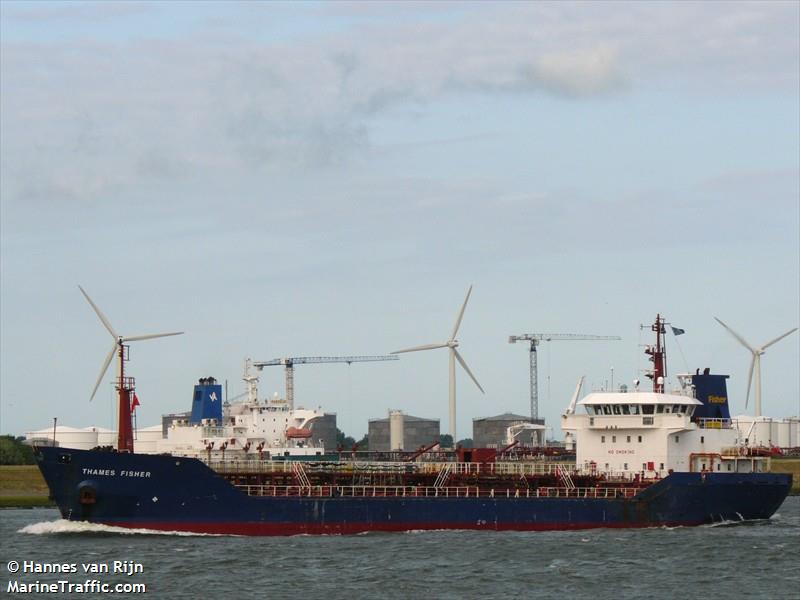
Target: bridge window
pixel 634 409
pixel 626 410
pixel 590 410
pixel 660 409
pixel 677 408
pixel 606 409
pixel 684 409
pixel 616 409
pixel 647 409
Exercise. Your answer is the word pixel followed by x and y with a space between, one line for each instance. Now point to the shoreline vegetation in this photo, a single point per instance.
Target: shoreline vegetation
pixel 22 486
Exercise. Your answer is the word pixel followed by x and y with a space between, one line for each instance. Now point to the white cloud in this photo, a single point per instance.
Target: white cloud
pixel 83 119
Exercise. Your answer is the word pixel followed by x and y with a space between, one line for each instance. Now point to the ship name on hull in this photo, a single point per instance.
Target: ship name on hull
pixel 113 473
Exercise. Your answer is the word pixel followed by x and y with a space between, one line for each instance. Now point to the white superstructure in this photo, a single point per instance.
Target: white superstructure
pixel 249 429
pixel 650 434
pixel 252 428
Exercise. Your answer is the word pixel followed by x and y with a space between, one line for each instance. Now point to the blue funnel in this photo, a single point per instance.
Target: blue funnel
pixel 207 402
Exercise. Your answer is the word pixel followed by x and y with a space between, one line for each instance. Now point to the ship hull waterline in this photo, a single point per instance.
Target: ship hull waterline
pixel 168 493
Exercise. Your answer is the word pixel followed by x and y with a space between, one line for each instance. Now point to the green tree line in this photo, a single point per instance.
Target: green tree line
pixel 14 452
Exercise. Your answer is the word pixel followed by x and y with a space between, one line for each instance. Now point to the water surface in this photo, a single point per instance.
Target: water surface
pixel 744 560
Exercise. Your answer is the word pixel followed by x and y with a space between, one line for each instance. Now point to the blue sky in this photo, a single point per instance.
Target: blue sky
pixel 328 179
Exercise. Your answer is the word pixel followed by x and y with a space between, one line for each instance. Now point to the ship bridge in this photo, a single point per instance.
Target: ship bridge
pixel 638 403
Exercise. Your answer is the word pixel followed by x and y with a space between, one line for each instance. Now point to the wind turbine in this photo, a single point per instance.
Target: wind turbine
pixel 124 385
pixel 755 365
pixel 452 344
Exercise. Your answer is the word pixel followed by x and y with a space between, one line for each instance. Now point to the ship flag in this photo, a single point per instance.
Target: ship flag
pixel 677 331
pixel 135 402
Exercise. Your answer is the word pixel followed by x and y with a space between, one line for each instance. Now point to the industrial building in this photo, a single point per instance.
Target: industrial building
pixel 410 433
pixel 323 431
pixel 492 432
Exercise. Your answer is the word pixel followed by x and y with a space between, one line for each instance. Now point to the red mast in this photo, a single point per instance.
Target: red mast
pixel 658 356
pixel 125 387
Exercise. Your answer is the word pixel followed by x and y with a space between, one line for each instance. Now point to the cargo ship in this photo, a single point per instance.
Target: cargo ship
pixel 643 459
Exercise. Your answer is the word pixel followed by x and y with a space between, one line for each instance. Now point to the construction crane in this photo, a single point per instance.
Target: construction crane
pixel 535 339
pixel 290 362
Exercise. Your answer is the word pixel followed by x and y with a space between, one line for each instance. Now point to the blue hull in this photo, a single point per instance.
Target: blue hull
pixel 183 494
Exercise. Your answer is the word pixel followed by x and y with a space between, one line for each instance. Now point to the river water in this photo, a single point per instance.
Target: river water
pixel 742 560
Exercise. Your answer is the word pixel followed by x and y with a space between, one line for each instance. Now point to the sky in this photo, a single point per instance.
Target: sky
pixel 328 179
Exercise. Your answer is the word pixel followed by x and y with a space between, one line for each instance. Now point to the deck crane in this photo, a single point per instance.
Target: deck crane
pixel 290 362
pixel 535 339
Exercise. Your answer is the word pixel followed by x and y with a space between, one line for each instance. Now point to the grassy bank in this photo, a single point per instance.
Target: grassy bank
pixel 788 465
pixel 22 486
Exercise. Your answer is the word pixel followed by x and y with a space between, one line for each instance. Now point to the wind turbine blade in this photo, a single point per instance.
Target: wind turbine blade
pixel 460 315
pixel 466 368
pixel 417 348
pixel 136 338
pixel 750 380
pixel 742 341
pixel 104 369
pixel 100 314
pixel 777 339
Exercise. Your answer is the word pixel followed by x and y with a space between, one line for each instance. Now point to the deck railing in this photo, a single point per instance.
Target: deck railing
pixel 496 468
pixel 381 491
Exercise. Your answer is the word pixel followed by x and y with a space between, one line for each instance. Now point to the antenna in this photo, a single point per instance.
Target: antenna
pixel 125 385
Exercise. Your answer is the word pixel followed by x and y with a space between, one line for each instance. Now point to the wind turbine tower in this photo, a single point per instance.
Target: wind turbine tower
pixel 755 364
pixel 451 344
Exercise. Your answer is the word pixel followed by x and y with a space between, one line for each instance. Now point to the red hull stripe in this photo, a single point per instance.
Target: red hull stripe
pixel 234 528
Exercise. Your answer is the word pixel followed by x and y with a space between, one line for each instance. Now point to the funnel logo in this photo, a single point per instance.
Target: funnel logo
pixel 213 396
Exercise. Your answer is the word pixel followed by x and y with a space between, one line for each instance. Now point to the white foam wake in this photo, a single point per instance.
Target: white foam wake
pixel 63 526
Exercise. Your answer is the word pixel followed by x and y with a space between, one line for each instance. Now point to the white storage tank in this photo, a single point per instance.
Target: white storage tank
pixel 396 430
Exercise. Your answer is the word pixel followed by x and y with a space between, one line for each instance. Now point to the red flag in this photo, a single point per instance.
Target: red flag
pixel 135 402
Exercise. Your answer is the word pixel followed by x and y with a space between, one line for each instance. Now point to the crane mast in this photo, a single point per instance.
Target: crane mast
pixel 290 362
pixel 535 339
